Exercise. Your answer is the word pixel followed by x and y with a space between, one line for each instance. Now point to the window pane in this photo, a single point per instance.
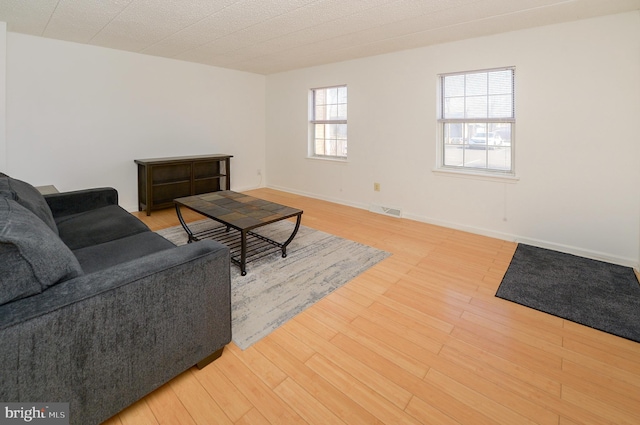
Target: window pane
pixel 476 135
pixel 501 133
pixel 476 107
pixel 342 147
pixel 475 158
pixel 476 84
pixel 342 112
pixel 330 139
pixel 332 95
pixel 453 134
pixel 330 104
pixel 453 86
pixel 453 107
pixel 486 145
pixel 319 147
pixel 330 147
pixel 330 131
pixel 453 155
pixel 500 158
pixel 501 82
pixel 500 106
pixel 476 147
pixel 478 95
pixel 342 95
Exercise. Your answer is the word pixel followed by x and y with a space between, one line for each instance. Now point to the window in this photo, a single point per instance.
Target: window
pixel 329 122
pixel 477 120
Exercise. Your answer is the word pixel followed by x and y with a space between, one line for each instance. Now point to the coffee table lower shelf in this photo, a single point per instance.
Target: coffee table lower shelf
pixel 257 246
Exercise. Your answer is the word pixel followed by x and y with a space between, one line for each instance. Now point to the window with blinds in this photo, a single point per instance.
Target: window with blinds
pixel 477 120
pixel 328 122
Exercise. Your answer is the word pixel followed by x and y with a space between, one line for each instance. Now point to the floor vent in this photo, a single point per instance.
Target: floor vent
pixel 393 212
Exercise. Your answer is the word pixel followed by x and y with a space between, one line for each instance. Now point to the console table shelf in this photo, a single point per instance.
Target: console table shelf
pixel 161 180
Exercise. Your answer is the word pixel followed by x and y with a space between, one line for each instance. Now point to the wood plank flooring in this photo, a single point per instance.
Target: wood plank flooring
pixel 417 339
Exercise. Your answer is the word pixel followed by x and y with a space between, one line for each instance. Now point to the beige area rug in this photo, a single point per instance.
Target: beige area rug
pixel 275 289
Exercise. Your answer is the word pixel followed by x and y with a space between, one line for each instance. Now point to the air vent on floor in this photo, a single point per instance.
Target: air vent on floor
pixel 393 212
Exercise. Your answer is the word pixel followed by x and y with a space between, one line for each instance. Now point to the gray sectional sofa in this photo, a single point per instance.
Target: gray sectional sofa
pixel 96 309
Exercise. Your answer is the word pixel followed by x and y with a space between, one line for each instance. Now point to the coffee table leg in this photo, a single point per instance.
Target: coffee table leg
pixel 243 252
pixel 184 225
pixel 288 241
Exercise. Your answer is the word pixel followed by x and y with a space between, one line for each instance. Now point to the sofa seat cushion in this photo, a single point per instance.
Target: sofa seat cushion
pixel 29 197
pixel 98 226
pixel 109 254
pixel 33 256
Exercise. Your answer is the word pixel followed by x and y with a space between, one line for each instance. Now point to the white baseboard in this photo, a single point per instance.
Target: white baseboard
pixel 586 253
pixel 471 229
pixel 245 188
pixel 322 198
pixel 595 255
pixel 568 249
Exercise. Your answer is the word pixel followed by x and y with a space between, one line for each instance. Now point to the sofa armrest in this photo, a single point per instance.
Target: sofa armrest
pixel 104 340
pixel 77 201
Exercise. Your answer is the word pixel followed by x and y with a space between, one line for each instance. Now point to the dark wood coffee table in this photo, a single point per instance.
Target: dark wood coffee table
pixel 243 213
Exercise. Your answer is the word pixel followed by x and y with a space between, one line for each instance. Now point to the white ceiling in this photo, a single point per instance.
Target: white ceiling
pixel 268 36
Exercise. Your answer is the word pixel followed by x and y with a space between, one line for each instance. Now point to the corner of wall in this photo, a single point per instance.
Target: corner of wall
pixel 3 96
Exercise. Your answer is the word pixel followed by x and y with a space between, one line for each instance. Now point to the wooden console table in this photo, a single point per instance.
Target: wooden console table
pixel 161 180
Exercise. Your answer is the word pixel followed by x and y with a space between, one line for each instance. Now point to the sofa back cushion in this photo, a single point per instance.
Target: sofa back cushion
pixel 32 256
pixel 29 197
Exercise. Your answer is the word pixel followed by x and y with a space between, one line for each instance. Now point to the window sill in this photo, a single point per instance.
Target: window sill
pixel 476 175
pixel 329 159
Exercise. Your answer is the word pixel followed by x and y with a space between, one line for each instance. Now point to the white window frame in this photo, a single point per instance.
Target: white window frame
pixel 485 172
pixel 312 127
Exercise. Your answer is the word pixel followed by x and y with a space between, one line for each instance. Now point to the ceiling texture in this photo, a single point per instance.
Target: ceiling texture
pixel 269 36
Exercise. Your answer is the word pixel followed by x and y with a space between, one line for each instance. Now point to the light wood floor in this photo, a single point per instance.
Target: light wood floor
pixel 417 339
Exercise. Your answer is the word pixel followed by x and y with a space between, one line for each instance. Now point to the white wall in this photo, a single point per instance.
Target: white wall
pixel 3 95
pixel 78 115
pixel 577 137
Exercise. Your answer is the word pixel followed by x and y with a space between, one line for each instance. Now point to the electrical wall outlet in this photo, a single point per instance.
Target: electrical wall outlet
pixel 376 187
pixel 259 172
